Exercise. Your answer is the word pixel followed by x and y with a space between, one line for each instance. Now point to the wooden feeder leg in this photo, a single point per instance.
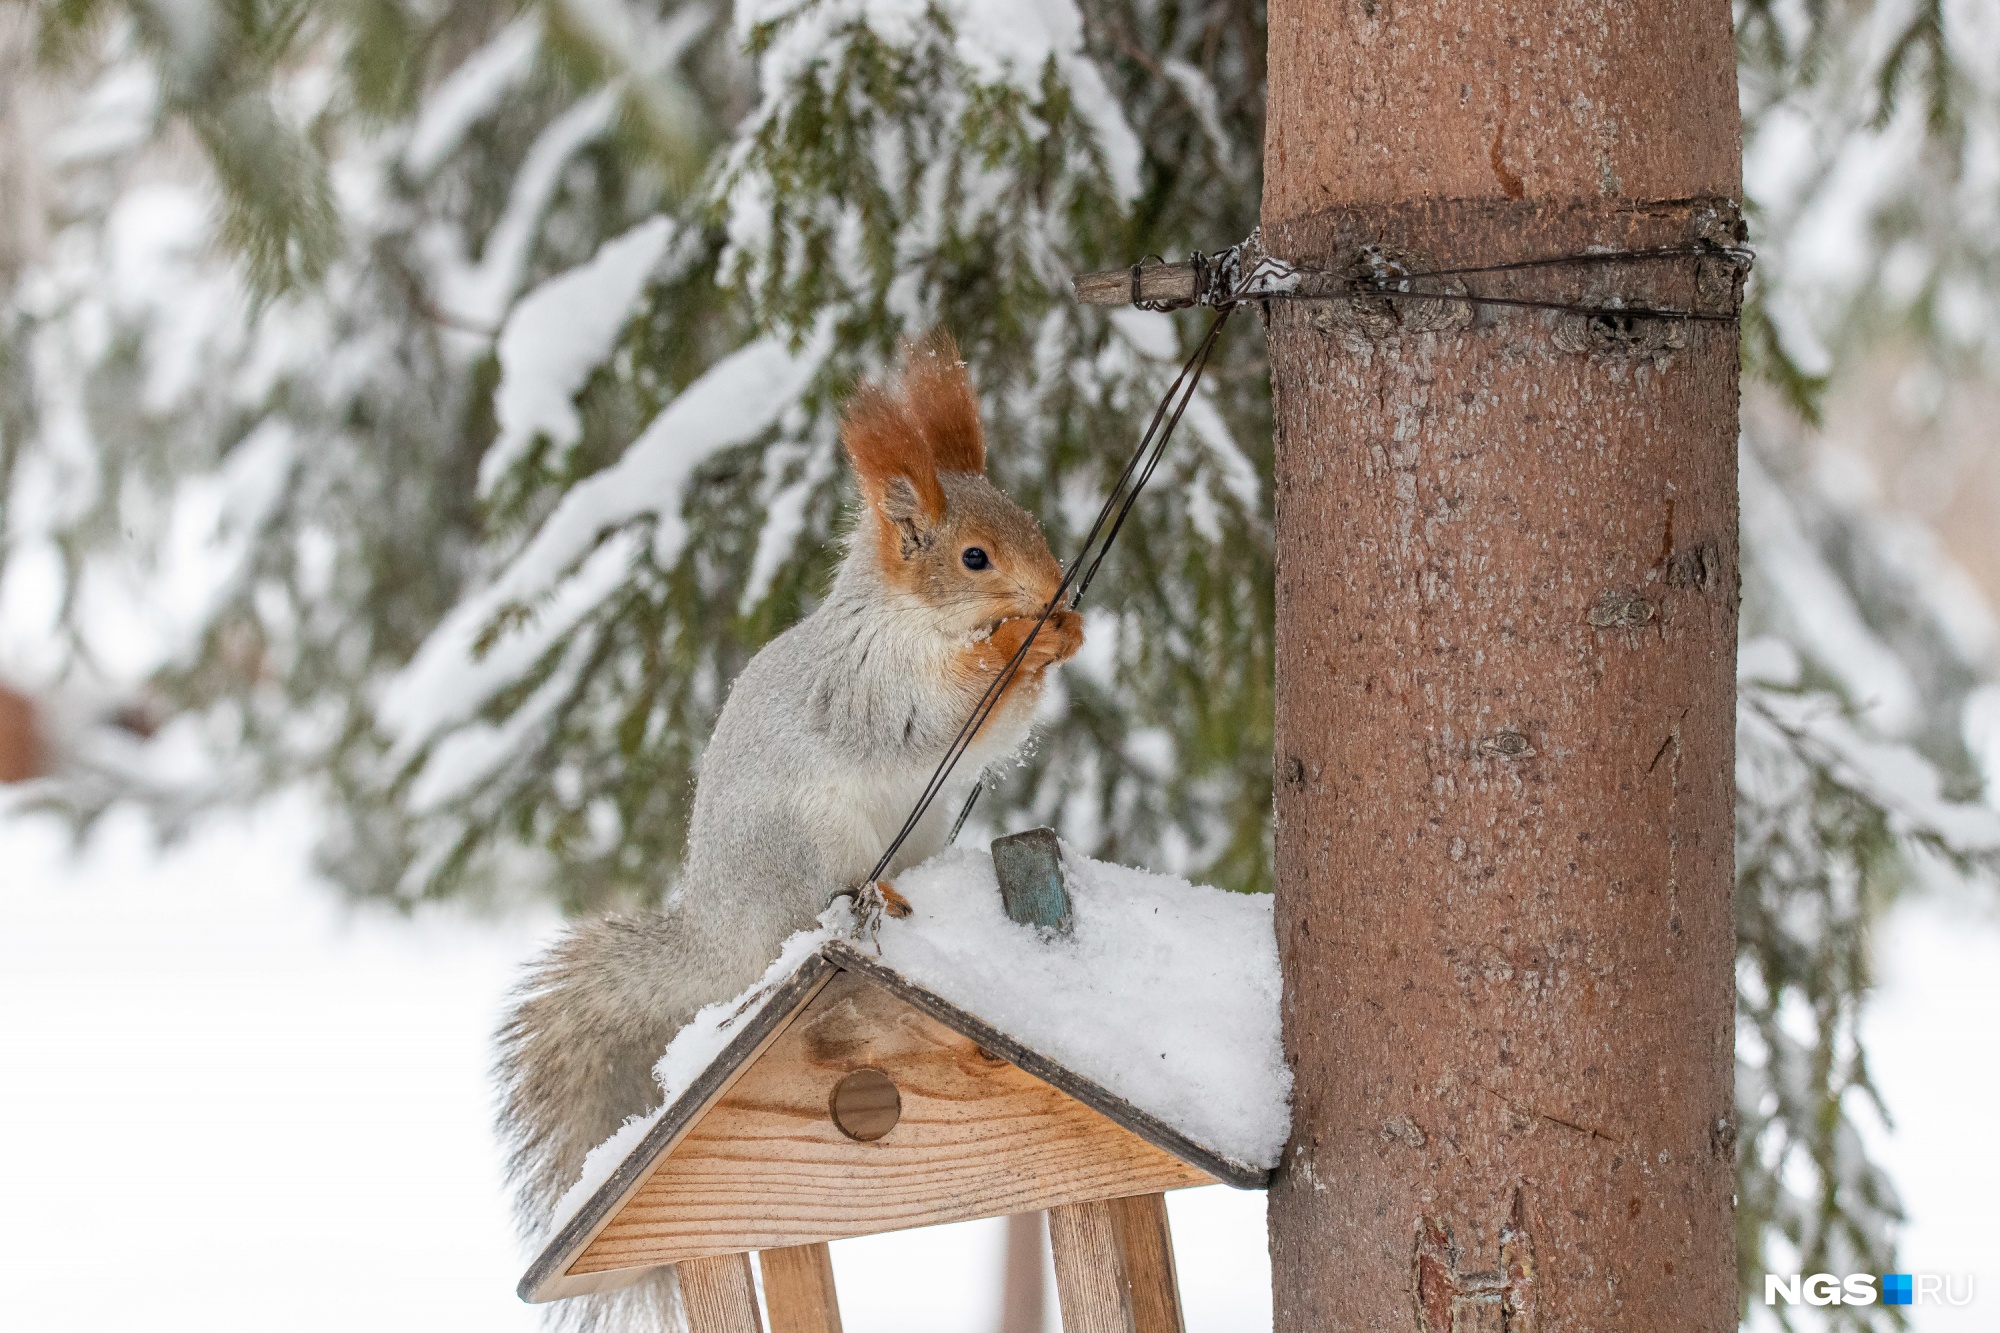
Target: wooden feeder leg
pixel 720 1295
pixel 798 1289
pixel 1115 1266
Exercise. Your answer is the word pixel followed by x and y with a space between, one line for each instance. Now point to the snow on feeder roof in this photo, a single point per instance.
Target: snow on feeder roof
pixel 962 1065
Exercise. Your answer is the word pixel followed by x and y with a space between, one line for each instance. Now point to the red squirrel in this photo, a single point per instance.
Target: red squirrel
pixel 829 735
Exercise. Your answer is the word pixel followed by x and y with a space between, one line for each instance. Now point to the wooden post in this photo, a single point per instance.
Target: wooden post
pixel 720 1295
pixel 1021 1278
pixel 1507 581
pixel 798 1289
pixel 1115 1266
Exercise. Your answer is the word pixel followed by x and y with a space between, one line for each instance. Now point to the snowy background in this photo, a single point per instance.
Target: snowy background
pixel 214 1070
pixel 271 1109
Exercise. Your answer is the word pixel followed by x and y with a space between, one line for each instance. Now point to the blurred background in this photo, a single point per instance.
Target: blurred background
pixel 412 415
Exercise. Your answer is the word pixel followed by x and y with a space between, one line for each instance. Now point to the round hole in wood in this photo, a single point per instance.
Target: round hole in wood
pixel 866 1105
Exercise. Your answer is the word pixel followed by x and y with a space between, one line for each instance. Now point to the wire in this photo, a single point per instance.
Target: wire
pixel 1699 251
pixel 1138 470
pixel 1221 280
pixel 1521 302
pixel 965 811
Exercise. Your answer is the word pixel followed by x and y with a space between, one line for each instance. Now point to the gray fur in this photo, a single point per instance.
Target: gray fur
pixel 828 736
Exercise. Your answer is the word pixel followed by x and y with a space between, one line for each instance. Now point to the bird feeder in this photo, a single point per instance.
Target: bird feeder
pixel 863 1092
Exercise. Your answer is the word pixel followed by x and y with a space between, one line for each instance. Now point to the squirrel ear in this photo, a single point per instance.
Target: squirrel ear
pixel 940 398
pixel 893 460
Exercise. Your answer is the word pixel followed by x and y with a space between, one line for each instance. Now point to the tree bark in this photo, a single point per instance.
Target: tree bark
pixel 23 754
pixel 1507 586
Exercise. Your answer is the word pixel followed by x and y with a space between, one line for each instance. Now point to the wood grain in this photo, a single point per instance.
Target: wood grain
pixel 1148 1249
pixel 798 1289
pixel 766 1167
pixel 1143 1123
pixel 548 1276
pixel 1157 282
pixel 1090 1269
pixel 1114 1263
pixel 720 1295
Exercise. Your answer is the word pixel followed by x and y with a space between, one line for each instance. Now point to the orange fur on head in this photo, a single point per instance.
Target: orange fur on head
pixel 886 445
pixel 940 396
pixel 925 423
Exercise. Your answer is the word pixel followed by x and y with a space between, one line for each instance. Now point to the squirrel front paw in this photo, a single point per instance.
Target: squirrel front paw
pixel 1058 641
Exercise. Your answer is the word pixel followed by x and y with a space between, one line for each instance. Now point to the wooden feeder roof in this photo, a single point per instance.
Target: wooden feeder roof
pixel 750 1154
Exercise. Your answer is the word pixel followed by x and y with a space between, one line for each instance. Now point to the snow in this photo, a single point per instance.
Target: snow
pixel 312 1083
pixel 314 1086
pixel 448 682
pixel 1165 994
pixel 557 335
pixel 693 1049
pixel 479 294
pixel 157 236
pixel 1894 776
pixel 114 117
pixel 468 756
pixel 635 39
pixel 784 520
pixel 1194 86
pixel 1937 979
pixel 1003 39
pixel 204 1034
pixel 1148 336
pixel 470 93
pixel 738 399
pixel 999 42
pixel 1817 607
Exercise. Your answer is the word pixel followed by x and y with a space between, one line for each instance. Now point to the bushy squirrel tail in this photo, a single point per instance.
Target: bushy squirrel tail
pixel 574 1060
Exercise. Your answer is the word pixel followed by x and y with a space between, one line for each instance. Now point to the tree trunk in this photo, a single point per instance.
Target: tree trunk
pixel 1507 585
pixel 23 755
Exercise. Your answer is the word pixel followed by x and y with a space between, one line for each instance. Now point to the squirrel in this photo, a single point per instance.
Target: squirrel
pixel 829 734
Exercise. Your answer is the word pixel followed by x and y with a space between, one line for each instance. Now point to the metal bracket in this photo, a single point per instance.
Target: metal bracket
pixel 1029 867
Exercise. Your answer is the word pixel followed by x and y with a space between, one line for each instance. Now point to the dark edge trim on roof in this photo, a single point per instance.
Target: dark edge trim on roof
pixel 1147 1126
pixel 582 1228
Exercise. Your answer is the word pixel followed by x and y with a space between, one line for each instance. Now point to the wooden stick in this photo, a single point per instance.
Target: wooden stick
pixel 1148 1247
pixel 1021 1285
pixel 798 1289
pixel 1157 282
pixel 720 1295
pixel 1115 1266
pixel 1090 1271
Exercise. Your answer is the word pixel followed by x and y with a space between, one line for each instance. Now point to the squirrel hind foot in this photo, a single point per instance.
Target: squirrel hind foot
pixel 872 902
pixel 881 899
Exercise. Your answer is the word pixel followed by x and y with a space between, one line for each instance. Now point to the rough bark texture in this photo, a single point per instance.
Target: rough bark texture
pixel 1507 584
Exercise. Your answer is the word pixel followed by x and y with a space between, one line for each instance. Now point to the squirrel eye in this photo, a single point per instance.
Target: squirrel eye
pixel 975 557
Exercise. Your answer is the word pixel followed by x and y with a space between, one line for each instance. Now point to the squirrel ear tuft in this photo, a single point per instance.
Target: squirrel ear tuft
pixel 893 460
pixel 940 398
